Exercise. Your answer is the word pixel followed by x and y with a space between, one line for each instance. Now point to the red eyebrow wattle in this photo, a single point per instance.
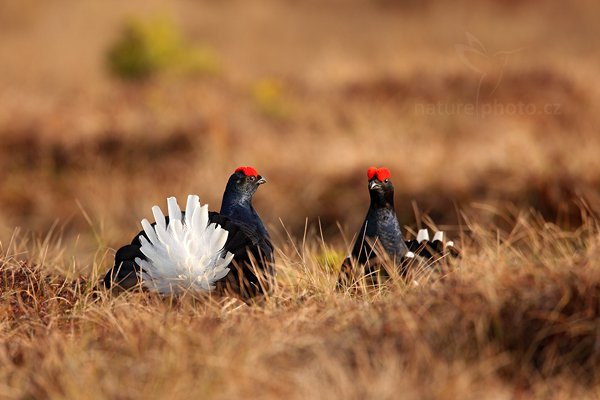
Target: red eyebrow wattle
pixel 248 171
pixel 371 172
pixel 383 174
pixel 380 173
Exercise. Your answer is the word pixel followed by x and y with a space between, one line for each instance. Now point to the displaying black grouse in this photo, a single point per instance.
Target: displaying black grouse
pixel 230 250
pixel 380 236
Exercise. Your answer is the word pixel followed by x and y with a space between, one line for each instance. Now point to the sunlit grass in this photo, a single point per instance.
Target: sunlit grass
pixel 520 310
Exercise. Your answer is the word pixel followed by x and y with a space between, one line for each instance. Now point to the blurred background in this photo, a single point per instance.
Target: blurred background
pixel 108 107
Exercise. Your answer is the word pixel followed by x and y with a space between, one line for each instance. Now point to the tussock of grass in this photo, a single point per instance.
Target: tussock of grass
pixel 518 313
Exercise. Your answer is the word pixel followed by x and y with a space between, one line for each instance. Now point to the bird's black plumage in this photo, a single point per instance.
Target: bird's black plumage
pixel 248 240
pixel 381 224
pixel 381 233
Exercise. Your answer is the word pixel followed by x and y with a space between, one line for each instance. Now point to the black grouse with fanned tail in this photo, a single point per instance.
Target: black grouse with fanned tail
pixel 381 231
pixel 251 269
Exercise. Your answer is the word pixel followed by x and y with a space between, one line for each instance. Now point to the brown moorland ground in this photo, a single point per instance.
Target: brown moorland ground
pixel 485 111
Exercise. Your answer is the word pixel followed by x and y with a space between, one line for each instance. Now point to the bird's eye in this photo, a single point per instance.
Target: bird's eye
pixel 386 181
pixel 252 178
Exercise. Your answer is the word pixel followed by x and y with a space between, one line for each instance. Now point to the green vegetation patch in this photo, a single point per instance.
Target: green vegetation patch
pixel 146 47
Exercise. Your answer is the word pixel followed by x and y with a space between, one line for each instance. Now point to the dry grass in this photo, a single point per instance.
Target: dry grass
pixel 517 316
pixel 311 93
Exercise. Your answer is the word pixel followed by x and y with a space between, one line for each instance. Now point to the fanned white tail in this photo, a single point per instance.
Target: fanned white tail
pixel 185 254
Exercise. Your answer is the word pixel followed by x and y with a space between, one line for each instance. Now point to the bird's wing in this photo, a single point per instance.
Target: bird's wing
pixel 244 238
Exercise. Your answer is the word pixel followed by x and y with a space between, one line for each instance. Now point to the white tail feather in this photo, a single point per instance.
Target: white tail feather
pixel 185 254
pixel 422 235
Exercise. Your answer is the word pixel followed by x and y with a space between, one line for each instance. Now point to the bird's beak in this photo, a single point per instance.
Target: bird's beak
pixel 261 180
pixel 374 185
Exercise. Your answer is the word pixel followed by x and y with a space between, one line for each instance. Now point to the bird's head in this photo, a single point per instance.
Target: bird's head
pixel 244 181
pixel 380 185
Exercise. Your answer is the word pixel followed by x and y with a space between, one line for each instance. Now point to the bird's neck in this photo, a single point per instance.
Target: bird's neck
pixel 382 211
pixel 235 205
pixel 239 208
pixel 382 201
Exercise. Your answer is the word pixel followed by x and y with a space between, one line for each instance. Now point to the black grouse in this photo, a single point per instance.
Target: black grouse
pixel 167 254
pixel 380 236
